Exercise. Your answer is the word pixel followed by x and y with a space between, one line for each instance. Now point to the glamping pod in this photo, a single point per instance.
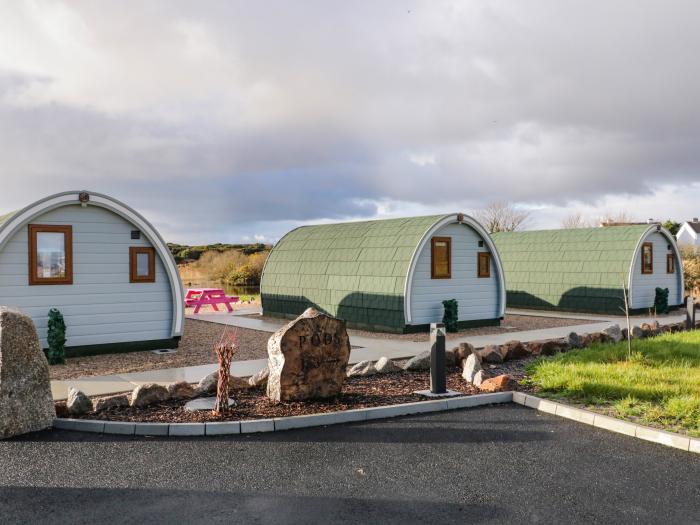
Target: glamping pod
pixel 387 275
pixel 101 264
pixel 584 270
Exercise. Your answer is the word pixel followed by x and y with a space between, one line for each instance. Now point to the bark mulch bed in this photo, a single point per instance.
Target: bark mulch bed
pixel 196 348
pixel 358 392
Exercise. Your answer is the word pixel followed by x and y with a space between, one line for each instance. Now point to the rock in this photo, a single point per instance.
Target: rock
pixel 107 403
pixel 534 348
pixel 418 362
pixel 553 347
pixel 513 350
pixel 471 367
pixel 26 403
pixel 181 390
pixel 386 366
pixel 574 340
pixel 655 326
pixel 461 352
pixel 78 403
pixel 637 332
pixel 480 377
pixel 204 403
pixel 614 333
pixel 624 334
pixel 209 383
pixel 148 394
pixel 450 358
pixel 362 369
pixel 500 383
pixel 598 337
pixel 490 354
pixel 259 380
pixel 308 358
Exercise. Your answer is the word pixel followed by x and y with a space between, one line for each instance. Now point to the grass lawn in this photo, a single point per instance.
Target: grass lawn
pixel 658 386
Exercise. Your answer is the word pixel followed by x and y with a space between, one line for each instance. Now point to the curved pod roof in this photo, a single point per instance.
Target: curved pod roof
pixel 10 223
pixel 345 266
pixel 593 258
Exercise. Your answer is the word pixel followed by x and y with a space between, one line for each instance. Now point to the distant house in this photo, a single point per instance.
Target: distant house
pixel 584 270
pixel 689 233
pixel 98 261
pixel 387 275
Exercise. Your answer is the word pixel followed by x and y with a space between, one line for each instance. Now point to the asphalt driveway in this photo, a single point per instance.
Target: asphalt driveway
pixel 501 464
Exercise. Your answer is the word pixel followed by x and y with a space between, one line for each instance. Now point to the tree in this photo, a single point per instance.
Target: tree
pixel 575 221
pixel 672 226
pixel 620 218
pixel 502 216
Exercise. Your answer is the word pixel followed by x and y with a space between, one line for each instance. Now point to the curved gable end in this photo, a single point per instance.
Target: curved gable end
pixel 579 269
pixel 102 304
pixel 360 271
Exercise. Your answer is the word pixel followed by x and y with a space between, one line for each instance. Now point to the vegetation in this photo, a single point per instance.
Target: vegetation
pixel 56 338
pixel 502 216
pixel 184 253
pixel 233 267
pixel 450 315
pixel 691 267
pixel 672 226
pixel 658 385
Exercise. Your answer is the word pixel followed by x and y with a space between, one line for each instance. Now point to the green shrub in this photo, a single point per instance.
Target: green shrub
pixel 661 301
pixel 56 338
pixel 451 315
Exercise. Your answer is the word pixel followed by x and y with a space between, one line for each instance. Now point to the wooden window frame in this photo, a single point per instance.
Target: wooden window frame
pixel 67 232
pixel 480 256
pixel 670 263
pixel 650 269
pixel 134 251
pixel 433 273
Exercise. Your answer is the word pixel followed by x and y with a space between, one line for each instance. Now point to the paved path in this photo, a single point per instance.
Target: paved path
pixel 366 348
pixel 491 465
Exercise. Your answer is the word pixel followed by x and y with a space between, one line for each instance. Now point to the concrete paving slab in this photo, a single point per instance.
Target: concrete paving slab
pixel 575 414
pixel 332 418
pixel 151 429
pixel 257 425
pixel 694 445
pixel 615 425
pixel 406 409
pixel 663 438
pixel 223 428
pixel 60 389
pixel 542 405
pixel 186 429
pixel 119 427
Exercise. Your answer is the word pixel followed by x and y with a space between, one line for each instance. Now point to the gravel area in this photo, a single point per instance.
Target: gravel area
pixel 196 348
pixel 511 323
pixel 358 392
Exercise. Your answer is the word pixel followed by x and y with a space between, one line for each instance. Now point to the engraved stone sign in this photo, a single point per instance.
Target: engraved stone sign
pixel 308 358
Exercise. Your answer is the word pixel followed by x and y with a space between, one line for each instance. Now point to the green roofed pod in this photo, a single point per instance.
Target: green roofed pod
pixel 584 270
pixel 387 275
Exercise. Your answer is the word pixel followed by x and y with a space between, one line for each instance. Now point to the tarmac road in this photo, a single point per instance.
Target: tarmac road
pixel 499 464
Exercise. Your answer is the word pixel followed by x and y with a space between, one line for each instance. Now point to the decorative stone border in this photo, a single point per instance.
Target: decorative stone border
pixel 278 423
pixel 620 426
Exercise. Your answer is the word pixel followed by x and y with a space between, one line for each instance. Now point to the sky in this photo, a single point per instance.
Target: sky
pixel 237 121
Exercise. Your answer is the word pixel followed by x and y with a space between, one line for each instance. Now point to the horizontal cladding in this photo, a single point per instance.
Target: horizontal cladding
pixel 101 306
pixel 355 271
pixel 577 270
pixel 477 297
pixel 644 285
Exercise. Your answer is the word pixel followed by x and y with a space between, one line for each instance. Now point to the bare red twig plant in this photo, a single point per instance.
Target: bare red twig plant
pixel 225 350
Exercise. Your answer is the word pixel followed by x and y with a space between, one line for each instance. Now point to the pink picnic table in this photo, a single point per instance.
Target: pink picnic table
pixel 199 297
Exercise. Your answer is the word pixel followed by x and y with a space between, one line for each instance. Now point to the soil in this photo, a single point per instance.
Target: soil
pixel 196 348
pixel 358 392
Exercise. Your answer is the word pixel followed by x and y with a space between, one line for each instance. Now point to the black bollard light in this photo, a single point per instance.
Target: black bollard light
pixel 690 313
pixel 438 377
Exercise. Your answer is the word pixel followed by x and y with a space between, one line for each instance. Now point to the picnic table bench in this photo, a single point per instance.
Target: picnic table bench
pixel 199 297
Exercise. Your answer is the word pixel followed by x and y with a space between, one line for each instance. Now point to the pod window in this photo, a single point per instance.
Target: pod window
pixel 484 264
pixel 441 258
pixel 50 254
pixel 670 263
pixel 142 264
pixel 647 258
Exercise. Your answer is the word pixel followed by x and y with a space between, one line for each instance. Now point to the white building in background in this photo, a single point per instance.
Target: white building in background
pixel 689 233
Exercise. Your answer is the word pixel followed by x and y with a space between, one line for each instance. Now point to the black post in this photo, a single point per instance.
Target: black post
pixel 690 313
pixel 438 379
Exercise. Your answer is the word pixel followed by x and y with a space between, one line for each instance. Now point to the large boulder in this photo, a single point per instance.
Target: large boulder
pixel 500 383
pixel 363 368
pixel 553 347
pixel 472 365
pixel 490 354
pixel 461 352
pixel 637 332
pixel 209 383
pixel 26 403
pixel 308 358
pixel 418 362
pixel 78 403
pixel 148 394
pixel 181 390
pixel 110 402
pixel 259 380
pixel 386 366
pixel 574 340
pixel 513 350
pixel 614 332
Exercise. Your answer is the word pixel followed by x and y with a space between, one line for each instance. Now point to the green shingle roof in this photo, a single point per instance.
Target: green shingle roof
pixel 576 270
pixel 355 271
